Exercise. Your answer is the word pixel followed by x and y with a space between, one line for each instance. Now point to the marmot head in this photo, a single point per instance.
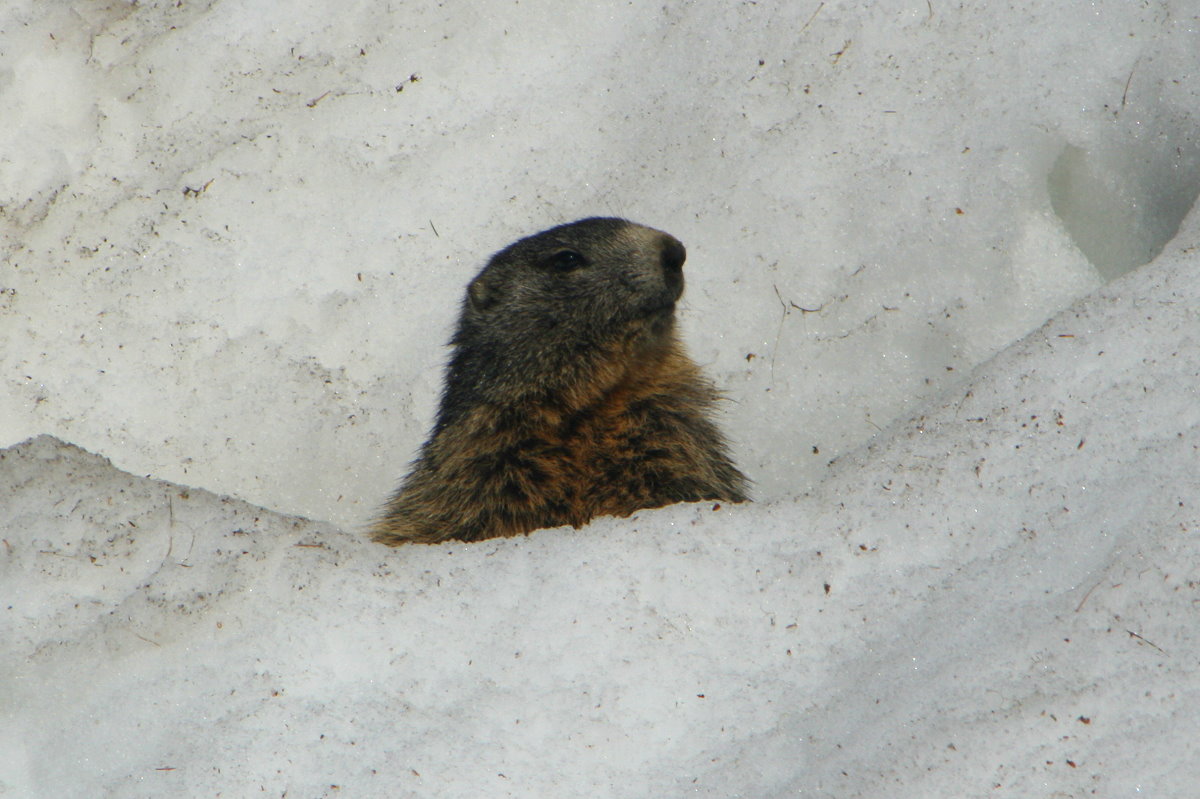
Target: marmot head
pixel 548 307
pixel 579 283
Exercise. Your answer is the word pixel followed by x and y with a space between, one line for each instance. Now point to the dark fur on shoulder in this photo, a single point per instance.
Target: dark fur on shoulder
pixel 568 395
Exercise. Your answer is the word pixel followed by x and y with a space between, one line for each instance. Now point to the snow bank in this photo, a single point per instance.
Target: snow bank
pixel 996 597
pixel 232 241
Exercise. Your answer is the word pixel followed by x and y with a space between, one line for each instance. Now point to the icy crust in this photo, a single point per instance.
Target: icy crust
pixel 996 598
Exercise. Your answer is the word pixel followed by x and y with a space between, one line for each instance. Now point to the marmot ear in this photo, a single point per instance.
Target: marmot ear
pixel 481 295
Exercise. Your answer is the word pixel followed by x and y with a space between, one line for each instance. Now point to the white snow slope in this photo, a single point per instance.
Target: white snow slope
pixel 233 238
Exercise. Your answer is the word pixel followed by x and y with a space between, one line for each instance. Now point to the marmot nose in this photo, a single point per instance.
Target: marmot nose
pixel 673 254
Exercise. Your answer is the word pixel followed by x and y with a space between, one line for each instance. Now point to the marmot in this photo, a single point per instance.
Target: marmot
pixel 567 395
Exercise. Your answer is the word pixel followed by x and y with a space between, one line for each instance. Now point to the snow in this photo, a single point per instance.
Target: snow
pixel 233 244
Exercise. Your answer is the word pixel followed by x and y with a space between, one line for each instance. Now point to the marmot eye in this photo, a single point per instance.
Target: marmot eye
pixel 567 261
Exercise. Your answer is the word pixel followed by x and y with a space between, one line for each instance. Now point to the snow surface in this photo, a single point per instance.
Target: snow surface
pixel 234 236
pixel 996 598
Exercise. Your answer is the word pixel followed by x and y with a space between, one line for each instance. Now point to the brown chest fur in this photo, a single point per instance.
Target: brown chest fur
pixel 644 442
